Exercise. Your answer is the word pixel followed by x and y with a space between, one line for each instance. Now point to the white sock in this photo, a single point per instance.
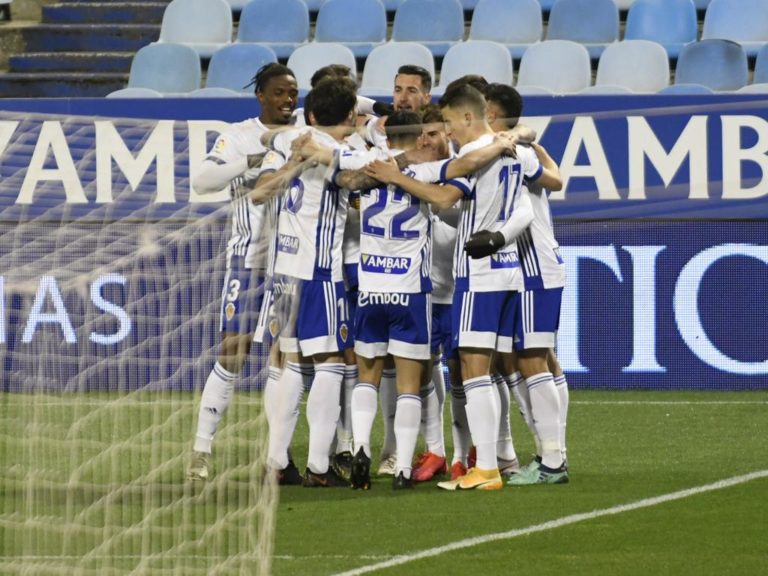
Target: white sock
pixel 322 413
pixel 217 394
pixel 288 391
pixel 545 404
pixel 518 389
pixel 407 418
pixel 483 418
pixel 307 374
pixel 364 404
pixel 431 421
pixel 270 393
pixel 505 448
pixel 344 427
pixel 388 400
pixel 459 425
pixel 562 392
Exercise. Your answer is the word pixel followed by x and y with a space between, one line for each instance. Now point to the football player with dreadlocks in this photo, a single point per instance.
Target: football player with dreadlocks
pixel 235 161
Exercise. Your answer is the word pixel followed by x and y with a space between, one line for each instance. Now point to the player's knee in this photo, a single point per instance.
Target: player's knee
pixel 234 351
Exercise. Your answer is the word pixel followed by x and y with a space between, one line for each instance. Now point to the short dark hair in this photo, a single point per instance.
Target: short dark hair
pixel 331 101
pixel 431 114
pixel 330 71
pixel 508 99
pixel 413 70
pixel 465 96
pixel 478 82
pixel 266 73
pixel 403 126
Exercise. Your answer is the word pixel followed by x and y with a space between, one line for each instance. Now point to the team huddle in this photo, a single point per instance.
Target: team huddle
pixel 371 241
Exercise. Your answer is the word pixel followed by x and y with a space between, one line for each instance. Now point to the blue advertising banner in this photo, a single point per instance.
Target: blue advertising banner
pixel 111 267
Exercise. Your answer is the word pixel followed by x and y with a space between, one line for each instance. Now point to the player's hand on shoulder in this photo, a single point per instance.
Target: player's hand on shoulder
pixel 484 243
pixel 383 171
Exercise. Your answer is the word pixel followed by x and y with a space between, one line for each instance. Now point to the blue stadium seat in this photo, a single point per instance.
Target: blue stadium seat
pixel 205 25
pixel 217 92
pixel 761 66
pixel 701 4
pixel 488 59
pixel 234 66
pixel 562 66
pixel 671 23
pixel 313 5
pixel 307 59
pixel 514 23
pixel 534 91
pixel 759 88
pixel 743 21
pixel 593 23
pixel 718 64
pixel 605 89
pixel 383 62
pixel 685 89
pixel 358 24
pixel 135 93
pixel 639 65
pixel 237 5
pixel 166 68
pixel 546 5
pixel 438 24
pixel 624 4
pixel 392 5
pixel 283 25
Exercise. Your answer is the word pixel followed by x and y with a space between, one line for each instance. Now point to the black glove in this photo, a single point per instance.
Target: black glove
pixel 383 108
pixel 484 243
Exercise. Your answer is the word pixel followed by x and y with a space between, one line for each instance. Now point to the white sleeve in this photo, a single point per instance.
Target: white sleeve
pixel 521 218
pixel 365 105
pixel 273 161
pixel 532 168
pixel 224 163
pixel 356 159
pixel 429 172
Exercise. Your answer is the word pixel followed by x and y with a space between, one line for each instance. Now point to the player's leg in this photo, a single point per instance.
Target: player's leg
pixel 462 439
pixel 505 448
pixel 519 391
pixel 388 400
pixel 364 404
pixel 535 330
pixel 323 330
pixel 562 391
pixel 235 325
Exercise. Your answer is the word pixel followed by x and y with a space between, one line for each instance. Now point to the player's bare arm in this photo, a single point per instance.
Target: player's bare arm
pixel 442 196
pixel 273 183
pixel 550 178
pixel 355 180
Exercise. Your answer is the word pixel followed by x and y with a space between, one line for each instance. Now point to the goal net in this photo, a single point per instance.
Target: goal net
pixel 110 281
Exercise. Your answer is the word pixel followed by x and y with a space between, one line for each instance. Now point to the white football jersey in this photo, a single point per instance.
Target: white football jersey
pixel 351 244
pixel 537 248
pixel 395 230
pixel 443 245
pixel 247 238
pixel 312 215
pixel 490 196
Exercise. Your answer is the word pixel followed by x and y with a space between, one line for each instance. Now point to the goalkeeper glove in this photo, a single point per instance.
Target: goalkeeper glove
pixel 484 243
pixel 383 108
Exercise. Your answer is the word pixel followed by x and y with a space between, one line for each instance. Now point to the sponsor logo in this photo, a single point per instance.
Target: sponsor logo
pixel 288 244
pixel 379 298
pixel 344 331
pixel 504 260
pixel 229 311
pixel 385 264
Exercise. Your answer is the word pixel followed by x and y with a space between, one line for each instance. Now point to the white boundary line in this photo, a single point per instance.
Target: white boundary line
pixel 564 521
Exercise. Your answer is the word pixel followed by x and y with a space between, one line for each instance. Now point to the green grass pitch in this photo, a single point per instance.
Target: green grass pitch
pixel 93 465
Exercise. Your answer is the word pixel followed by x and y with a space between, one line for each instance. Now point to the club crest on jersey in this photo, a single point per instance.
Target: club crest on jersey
pixel 344 332
pixel 229 311
pixel 504 260
pixel 274 328
pixel 288 244
pixel 385 264
pixel 221 145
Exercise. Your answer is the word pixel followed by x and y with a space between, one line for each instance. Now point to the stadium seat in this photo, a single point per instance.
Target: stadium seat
pixel 743 21
pixel 648 71
pixel 313 5
pixel 671 23
pixel 205 25
pixel 514 23
pixel 761 66
pixel 234 66
pixel 166 68
pixel 383 62
pixel 238 5
pixel 488 59
pixel 562 66
pixel 135 93
pixel 686 89
pixel 759 88
pixel 605 89
pixel 217 92
pixel 718 64
pixel 307 59
pixel 701 4
pixel 546 5
pixel 624 4
pixel 283 25
pixel 438 24
pixel 534 91
pixel 593 23
pixel 358 24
